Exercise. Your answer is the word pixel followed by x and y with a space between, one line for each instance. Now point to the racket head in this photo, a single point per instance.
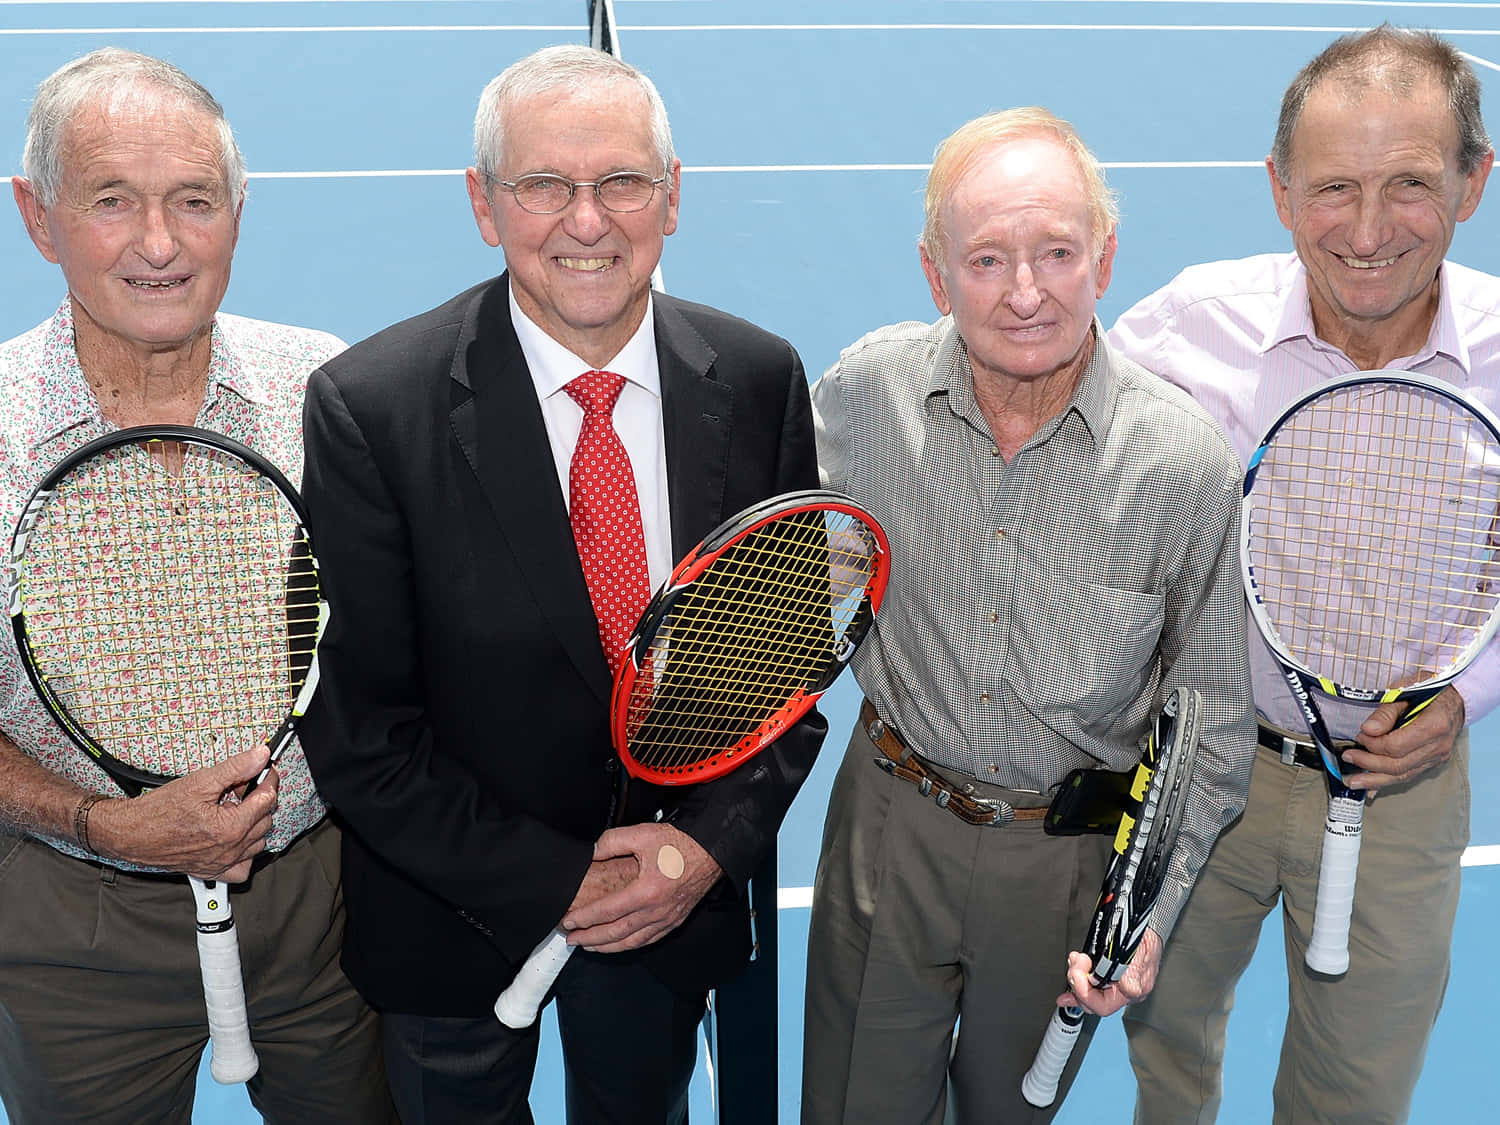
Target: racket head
pixel 746 635
pixel 1368 535
pixel 1147 834
pixel 164 595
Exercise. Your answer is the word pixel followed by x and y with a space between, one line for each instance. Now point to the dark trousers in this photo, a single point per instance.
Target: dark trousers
pixel 629 1046
pixel 101 1000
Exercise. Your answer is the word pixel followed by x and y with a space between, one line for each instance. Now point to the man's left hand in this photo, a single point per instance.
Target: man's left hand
pixel 1136 984
pixel 674 873
pixel 1386 756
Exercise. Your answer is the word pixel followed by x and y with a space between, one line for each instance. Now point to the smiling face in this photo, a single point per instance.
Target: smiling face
pixel 584 273
pixel 1372 199
pixel 1019 269
pixel 144 226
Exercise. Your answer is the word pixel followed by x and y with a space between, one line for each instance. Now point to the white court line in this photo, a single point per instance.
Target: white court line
pixel 571 28
pixel 1477 61
pixel 633 28
pixel 800 898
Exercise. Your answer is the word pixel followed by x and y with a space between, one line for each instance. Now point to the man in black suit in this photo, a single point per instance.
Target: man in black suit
pixel 461 728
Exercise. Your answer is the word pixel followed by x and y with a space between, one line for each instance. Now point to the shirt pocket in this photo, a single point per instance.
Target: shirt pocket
pixel 1082 652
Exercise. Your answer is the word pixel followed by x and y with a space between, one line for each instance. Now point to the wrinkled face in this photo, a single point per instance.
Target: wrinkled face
pixel 1019 271
pixel 583 273
pixel 1372 198
pixel 144 226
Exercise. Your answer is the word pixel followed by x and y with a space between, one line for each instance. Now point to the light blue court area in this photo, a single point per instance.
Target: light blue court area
pixel 805 128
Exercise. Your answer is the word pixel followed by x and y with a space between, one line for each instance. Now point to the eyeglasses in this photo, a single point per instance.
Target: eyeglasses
pixel 545 194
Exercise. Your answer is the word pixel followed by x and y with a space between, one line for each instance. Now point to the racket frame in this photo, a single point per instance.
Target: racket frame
pixel 688 571
pixel 521 1001
pixel 1132 883
pixel 233 1054
pixel 1327 950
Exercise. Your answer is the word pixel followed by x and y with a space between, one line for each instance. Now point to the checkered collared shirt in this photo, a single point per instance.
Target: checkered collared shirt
pixel 1041 609
pixel 257 373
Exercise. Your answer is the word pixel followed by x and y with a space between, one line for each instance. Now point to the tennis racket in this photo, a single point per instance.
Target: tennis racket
pixel 165 601
pixel 1133 881
pixel 738 644
pixel 1368 550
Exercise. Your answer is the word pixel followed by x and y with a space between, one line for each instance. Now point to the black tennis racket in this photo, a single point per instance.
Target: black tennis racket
pixel 165 602
pixel 1368 550
pixel 750 630
pixel 1132 883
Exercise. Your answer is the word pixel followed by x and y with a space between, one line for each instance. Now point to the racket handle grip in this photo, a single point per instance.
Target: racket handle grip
pixel 519 1003
pixel 233 1059
pixel 1039 1086
pixel 1328 950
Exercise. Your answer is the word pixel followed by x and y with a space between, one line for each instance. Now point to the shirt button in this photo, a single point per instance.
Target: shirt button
pixel 994 618
pixel 999 533
pixel 994 769
pixel 995 451
pixel 984 697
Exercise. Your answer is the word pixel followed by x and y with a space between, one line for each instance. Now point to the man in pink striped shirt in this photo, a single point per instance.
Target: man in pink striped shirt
pixel 1380 151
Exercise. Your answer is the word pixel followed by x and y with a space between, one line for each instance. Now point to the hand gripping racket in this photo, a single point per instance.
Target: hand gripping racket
pixel 1368 549
pixel 1143 848
pixel 750 630
pixel 165 601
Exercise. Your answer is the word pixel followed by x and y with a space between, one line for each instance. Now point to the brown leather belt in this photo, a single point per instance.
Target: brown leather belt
pixel 910 766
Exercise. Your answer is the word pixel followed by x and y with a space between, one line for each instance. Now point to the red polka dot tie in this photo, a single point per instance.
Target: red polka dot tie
pixel 606 515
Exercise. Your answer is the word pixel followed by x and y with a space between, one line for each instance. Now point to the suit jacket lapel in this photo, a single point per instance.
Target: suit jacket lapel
pixel 497 422
pixel 696 422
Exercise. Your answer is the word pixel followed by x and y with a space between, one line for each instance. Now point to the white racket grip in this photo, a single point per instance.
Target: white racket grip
pixel 233 1058
pixel 1328 951
pixel 519 1003
pixel 1039 1086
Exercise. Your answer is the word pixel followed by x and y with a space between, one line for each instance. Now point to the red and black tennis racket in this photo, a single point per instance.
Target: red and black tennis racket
pixel 1368 550
pixel 750 630
pixel 1143 848
pixel 165 601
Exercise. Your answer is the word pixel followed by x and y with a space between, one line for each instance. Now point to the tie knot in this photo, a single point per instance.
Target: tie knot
pixel 596 391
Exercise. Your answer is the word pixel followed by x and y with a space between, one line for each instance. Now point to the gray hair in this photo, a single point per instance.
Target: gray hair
pixel 1395 59
pixel 109 70
pixel 552 68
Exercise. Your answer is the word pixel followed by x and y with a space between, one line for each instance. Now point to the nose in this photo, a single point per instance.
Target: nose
pixel 1370 229
pixel 585 218
pixel 1024 299
pixel 158 243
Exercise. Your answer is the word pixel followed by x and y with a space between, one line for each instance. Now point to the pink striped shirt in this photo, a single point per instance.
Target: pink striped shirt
pixel 1238 336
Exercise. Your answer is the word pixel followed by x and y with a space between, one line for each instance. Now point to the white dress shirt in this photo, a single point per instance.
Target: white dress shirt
pixel 637 421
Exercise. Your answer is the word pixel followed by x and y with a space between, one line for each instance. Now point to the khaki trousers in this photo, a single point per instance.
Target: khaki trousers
pixel 101 1001
pixel 920 921
pixel 1353 1045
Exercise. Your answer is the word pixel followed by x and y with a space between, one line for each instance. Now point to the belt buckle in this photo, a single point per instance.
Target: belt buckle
pixel 1005 812
pixel 1288 751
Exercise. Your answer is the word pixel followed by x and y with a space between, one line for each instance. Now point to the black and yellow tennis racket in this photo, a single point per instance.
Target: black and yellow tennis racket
pixel 164 596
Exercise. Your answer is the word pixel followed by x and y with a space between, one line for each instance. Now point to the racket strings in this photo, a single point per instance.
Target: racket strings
pixel 761 627
pixel 170 603
pixel 1373 535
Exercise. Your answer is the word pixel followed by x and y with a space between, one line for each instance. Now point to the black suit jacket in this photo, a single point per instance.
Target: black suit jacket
pixel 461 726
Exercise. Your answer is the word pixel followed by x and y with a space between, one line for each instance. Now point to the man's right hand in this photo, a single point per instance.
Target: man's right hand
pixel 194 824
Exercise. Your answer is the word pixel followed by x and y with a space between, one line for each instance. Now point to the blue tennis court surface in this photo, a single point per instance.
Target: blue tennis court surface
pixel 805 128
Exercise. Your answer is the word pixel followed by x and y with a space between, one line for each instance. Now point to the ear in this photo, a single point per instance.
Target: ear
pixel 238 213
pixel 674 197
pixel 1281 194
pixel 935 281
pixel 484 212
pixel 1474 185
pixel 1106 265
pixel 34 215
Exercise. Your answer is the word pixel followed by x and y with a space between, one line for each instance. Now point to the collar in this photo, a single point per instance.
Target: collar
pixel 553 366
pixel 1294 321
pixel 66 399
pixel 1093 398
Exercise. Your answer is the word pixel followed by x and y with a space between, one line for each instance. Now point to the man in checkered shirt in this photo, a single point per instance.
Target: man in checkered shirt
pixel 1063 531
